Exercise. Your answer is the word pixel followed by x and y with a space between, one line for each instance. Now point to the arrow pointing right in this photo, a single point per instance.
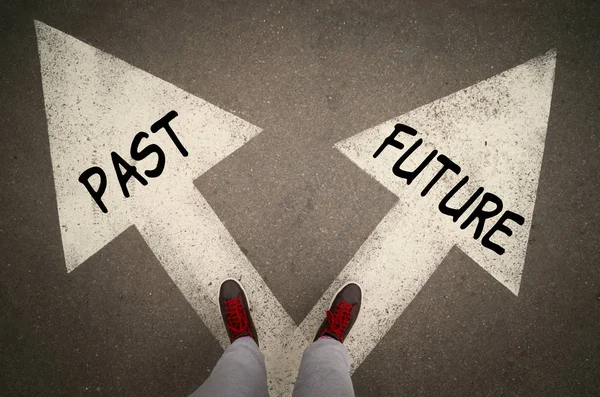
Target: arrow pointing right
pixel 495 132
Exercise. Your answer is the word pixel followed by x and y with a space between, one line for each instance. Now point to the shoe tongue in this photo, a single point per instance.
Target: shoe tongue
pixel 326 336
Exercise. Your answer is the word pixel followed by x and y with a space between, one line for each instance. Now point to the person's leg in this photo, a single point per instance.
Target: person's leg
pixel 325 366
pixel 240 372
pixel 324 371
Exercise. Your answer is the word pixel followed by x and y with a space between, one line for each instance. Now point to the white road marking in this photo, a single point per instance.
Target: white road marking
pixel 495 130
pixel 96 103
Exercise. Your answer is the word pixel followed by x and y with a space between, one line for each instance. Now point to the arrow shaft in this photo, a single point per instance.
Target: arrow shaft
pixel 197 252
pixel 391 266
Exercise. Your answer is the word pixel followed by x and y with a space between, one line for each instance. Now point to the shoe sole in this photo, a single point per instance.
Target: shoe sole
pixel 340 290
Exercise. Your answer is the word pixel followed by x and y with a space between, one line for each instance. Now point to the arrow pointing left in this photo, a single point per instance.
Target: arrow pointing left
pixel 95 105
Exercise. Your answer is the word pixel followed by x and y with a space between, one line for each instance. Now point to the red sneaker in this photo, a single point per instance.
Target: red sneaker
pixel 236 311
pixel 342 313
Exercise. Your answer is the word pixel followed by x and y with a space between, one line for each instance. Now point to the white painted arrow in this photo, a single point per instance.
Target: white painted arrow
pixel 96 104
pixel 495 131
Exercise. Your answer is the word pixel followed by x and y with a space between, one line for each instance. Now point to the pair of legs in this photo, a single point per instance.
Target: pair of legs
pixel 325 366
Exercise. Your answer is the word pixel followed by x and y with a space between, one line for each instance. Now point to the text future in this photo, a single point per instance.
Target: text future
pixel 480 213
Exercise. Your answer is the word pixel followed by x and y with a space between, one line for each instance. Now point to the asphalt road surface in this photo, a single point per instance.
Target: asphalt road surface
pixel 310 74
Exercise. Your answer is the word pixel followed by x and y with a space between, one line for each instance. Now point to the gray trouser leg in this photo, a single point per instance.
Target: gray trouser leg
pixel 240 372
pixel 324 371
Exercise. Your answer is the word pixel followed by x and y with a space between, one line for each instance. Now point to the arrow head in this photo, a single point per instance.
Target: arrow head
pixel 495 131
pixel 95 105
